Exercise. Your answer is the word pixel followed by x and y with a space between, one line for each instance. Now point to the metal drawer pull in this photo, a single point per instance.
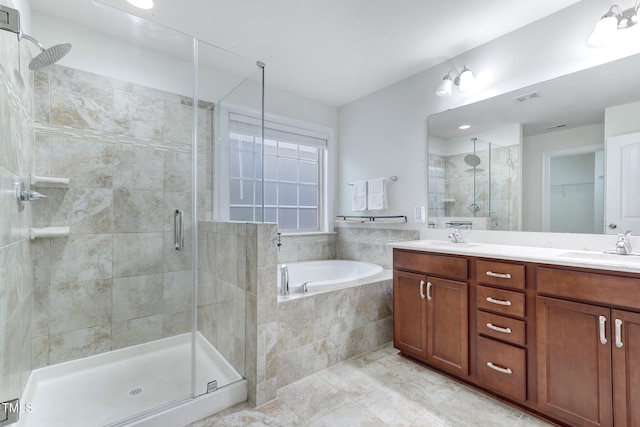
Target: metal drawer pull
pixel 603 338
pixel 499 275
pixel 497 301
pixel 429 291
pixel 498 328
pixel 422 289
pixel 499 369
pixel 619 333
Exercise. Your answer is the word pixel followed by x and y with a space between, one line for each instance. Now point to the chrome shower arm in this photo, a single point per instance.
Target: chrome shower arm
pixel 22 35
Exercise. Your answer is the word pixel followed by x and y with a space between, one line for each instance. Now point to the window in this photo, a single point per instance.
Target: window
pixel 293 173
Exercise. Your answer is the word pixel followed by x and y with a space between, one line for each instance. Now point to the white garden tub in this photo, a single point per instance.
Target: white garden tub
pixel 328 275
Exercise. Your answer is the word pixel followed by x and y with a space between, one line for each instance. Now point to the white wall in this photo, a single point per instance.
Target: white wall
pixel 384 133
pixel 532 149
pixel 622 119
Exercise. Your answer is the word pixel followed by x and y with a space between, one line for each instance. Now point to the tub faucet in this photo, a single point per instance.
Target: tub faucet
pixel 623 244
pixel 456 236
pixel 284 280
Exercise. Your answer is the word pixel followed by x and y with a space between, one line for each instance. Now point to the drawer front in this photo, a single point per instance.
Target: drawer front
pixel 437 265
pixel 599 288
pixel 500 301
pixel 500 273
pixel 503 368
pixel 503 328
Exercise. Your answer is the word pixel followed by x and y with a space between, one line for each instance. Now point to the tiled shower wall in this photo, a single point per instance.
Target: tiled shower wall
pixel 16 158
pixel 451 189
pixel 116 280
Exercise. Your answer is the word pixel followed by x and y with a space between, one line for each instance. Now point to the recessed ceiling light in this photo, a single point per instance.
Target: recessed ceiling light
pixel 463 127
pixel 142 4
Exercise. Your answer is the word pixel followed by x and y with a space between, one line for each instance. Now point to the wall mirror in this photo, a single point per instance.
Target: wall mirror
pixel 532 159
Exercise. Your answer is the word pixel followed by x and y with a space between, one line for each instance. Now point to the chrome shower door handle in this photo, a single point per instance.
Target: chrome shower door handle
pixel 178 229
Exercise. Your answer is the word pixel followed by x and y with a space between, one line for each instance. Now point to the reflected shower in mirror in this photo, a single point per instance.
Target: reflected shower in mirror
pixel 570 113
pixel 474 182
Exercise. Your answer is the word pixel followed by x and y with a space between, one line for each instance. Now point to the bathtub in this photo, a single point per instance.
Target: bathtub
pixel 329 275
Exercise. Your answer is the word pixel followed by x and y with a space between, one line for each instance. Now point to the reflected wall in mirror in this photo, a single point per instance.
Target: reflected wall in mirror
pixel 573 113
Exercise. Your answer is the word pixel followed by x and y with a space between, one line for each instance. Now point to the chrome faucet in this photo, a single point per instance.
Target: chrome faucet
pixel 623 244
pixel 456 236
pixel 284 280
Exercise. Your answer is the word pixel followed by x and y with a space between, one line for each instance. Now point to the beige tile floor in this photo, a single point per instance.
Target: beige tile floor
pixel 380 388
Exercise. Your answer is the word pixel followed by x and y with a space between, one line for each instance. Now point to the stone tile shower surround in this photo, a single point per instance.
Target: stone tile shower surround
pixel 116 280
pixel 16 158
pixel 451 189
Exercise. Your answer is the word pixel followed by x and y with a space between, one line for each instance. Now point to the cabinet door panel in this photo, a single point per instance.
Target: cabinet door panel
pixel 626 369
pixel 409 314
pixel 574 366
pixel 448 330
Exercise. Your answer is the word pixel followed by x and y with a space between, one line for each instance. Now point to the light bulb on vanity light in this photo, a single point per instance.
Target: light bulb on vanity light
pixel 465 82
pixel 615 19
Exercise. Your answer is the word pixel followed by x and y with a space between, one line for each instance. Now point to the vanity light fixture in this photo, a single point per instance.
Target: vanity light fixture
pixel 142 4
pixel 612 21
pixel 465 82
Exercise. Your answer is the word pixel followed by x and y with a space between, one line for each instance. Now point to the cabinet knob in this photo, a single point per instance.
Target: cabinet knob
pixel 421 289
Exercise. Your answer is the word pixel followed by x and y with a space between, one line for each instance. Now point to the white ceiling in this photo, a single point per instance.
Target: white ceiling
pixel 332 51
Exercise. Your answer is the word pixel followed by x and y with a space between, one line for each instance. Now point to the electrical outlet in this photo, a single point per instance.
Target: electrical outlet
pixel 418 214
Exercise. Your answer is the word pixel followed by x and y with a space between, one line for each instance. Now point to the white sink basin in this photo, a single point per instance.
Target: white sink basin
pixel 601 256
pixel 443 244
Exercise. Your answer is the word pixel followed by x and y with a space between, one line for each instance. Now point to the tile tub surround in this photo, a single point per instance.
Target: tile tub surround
pixel 16 160
pixel 116 281
pixel 319 331
pixel 370 244
pixel 243 258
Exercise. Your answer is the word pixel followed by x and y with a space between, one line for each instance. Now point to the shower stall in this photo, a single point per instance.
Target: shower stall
pixel 124 323
pixel 474 184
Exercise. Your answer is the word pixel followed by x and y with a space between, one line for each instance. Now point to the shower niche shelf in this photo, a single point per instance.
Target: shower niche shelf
pixel 47 232
pixel 49 181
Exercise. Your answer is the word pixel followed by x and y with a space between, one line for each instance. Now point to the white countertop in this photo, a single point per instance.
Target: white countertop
pixel 569 257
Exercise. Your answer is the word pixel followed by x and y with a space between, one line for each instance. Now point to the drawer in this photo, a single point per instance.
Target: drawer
pixel 503 368
pixel 500 301
pixel 500 273
pixel 603 289
pixel 437 265
pixel 503 328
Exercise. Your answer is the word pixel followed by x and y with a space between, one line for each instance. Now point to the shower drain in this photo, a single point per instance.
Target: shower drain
pixel 135 391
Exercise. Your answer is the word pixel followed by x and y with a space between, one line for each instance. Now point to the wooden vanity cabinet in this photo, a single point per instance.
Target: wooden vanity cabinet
pixel 561 342
pixel 430 305
pixel 588 353
pixel 501 363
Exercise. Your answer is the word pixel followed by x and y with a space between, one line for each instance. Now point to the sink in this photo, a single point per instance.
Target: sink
pixel 602 256
pixel 443 244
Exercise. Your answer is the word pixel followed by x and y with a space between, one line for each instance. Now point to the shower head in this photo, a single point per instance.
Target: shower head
pixel 472 160
pixel 47 56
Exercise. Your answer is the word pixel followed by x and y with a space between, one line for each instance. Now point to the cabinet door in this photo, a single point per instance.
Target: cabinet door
pixel 626 368
pixel 574 362
pixel 447 325
pixel 410 313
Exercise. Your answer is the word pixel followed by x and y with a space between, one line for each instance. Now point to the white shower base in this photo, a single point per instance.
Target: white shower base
pixel 103 390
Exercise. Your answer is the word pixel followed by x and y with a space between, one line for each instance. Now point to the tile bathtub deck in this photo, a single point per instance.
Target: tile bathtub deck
pixel 380 388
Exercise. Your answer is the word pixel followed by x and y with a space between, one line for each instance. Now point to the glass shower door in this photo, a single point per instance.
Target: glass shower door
pixel 114 299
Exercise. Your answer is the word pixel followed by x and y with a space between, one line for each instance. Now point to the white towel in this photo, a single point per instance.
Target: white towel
pixel 359 202
pixel 377 194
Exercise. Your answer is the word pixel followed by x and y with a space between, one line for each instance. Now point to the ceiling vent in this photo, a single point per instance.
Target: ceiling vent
pixel 556 126
pixel 526 97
